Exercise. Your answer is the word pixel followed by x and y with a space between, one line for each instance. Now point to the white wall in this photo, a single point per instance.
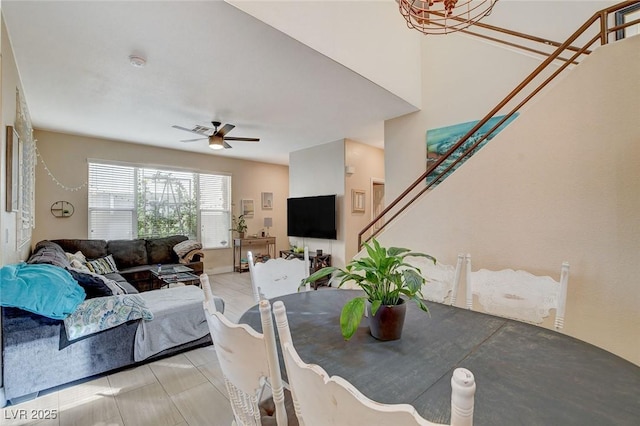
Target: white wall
pixel 560 183
pixel 10 82
pixel 369 37
pixel 320 171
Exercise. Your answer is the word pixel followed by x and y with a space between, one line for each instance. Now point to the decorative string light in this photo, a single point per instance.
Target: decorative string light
pixel 53 178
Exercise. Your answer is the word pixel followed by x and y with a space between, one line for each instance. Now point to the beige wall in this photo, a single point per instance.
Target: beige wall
pixel 10 82
pixel 463 79
pixel 66 157
pixel 560 183
pixel 368 163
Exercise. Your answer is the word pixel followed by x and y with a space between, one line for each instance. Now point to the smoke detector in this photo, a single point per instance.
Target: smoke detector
pixel 137 61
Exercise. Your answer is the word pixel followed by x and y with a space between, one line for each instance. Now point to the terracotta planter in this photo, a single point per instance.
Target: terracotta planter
pixel 240 234
pixel 388 321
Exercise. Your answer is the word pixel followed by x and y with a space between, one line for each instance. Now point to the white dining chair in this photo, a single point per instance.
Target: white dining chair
pixel 322 400
pixel 214 303
pixel 277 277
pixel 519 294
pixel 442 280
pixel 249 362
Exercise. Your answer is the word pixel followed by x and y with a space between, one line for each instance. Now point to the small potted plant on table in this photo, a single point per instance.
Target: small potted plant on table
pixel 239 225
pixel 388 282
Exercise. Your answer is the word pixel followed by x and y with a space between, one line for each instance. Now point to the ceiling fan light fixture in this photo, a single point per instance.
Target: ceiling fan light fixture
pixel 216 142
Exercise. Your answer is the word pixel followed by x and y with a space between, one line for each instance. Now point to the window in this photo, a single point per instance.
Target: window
pixel 128 202
pixel 628 14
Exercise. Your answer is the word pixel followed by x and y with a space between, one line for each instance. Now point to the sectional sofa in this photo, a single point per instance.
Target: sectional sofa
pixel 38 353
pixel 135 258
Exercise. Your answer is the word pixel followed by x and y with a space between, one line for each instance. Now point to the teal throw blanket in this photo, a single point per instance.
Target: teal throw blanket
pixel 43 289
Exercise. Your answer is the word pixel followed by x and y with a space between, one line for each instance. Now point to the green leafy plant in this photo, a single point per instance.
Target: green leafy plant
pixel 239 224
pixel 383 275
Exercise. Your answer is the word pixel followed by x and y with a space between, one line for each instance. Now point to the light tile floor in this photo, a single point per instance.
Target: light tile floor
pixel 185 389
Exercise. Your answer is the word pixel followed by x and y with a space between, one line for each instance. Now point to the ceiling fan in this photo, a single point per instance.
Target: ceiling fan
pixel 217 138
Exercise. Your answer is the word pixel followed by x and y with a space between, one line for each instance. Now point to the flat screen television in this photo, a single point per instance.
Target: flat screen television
pixel 312 217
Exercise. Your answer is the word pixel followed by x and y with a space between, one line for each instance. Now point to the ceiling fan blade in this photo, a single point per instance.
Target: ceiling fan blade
pixel 226 145
pixel 193 140
pixel 230 138
pixel 225 129
pixel 198 130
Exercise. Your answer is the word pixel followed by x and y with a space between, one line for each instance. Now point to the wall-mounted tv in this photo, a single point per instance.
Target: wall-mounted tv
pixel 312 217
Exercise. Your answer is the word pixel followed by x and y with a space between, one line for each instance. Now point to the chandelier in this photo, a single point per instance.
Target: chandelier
pixel 443 16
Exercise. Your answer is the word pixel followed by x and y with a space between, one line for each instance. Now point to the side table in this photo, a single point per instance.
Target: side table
pixel 251 244
pixel 316 262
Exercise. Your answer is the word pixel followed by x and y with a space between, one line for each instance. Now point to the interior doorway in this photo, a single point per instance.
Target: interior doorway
pixel 377 201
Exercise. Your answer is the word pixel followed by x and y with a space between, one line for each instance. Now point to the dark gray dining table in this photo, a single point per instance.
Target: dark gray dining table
pixel 525 374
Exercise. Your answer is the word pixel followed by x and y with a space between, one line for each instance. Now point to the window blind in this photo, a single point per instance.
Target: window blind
pixel 112 200
pixel 136 202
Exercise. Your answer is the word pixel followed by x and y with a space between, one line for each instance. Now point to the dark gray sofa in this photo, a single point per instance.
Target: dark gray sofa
pixel 134 258
pixel 37 354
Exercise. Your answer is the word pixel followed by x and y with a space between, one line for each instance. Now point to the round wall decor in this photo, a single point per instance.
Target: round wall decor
pixel 62 209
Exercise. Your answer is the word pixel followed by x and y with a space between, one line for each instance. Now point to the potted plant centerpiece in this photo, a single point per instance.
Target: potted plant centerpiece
pixel 239 225
pixel 388 283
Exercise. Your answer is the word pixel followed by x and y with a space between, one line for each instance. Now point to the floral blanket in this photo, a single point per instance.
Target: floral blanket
pixel 101 313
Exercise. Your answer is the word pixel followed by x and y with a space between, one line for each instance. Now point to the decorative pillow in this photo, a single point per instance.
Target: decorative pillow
pixel 104 265
pixel 96 285
pixel 78 261
pixel 105 312
pixel 185 247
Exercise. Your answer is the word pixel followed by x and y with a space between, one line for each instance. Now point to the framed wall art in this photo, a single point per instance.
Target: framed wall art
pixel 442 139
pixel 12 169
pixel 246 206
pixel 267 200
pixel 357 201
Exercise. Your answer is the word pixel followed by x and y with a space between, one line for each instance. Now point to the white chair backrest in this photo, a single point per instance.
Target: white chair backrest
pixel 442 280
pixel 277 277
pixel 208 294
pixel 518 294
pixel 315 393
pixel 246 358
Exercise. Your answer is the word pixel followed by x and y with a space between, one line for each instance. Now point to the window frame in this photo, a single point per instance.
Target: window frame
pixel 197 174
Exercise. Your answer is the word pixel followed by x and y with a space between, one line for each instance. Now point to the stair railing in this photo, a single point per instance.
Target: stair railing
pixel 603 33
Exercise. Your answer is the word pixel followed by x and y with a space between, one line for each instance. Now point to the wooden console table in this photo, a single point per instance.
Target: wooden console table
pixel 251 244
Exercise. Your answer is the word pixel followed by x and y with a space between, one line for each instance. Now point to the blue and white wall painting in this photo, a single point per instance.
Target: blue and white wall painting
pixel 440 140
